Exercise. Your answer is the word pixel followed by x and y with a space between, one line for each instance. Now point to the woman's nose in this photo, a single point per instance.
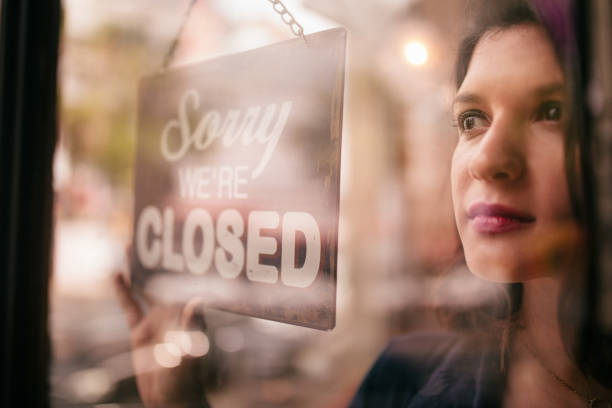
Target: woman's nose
pixel 499 155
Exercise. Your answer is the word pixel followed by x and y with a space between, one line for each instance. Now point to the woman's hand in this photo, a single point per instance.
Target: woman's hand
pixel 179 383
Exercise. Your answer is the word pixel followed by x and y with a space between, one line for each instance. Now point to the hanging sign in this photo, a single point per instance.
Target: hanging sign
pixel 237 181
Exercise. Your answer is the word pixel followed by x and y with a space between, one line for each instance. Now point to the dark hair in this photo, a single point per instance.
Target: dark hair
pixel 497 18
pixel 554 17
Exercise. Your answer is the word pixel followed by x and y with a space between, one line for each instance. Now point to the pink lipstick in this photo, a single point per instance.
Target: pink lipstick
pixel 497 218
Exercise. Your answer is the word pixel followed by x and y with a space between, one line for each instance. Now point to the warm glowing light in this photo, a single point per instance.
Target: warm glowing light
pixel 415 53
pixel 178 343
pixel 166 355
pixel 174 349
pixel 90 385
pixel 181 343
pixel 185 343
pixel 199 344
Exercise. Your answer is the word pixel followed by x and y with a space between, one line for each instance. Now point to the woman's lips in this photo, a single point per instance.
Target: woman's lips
pixel 497 218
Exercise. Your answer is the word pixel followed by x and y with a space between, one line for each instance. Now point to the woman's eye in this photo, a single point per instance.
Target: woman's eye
pixel 469 123
pixel 472 120
pixel 550 112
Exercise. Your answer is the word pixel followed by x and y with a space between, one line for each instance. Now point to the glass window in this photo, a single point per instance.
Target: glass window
pixel 464 222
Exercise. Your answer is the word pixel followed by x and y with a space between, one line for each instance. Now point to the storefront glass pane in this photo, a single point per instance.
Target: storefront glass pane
pixel 457 200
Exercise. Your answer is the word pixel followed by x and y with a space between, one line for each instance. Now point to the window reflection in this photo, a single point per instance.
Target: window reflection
pixel 399 267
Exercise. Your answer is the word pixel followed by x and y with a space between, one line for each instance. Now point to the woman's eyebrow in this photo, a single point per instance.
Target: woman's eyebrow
pixel 549 89
pixel 467 97
pixel 540 91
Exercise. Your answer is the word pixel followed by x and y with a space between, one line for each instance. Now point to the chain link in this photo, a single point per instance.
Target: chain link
pixel 287 17
pixel 589 399
pixel 277 5
pixel 174 43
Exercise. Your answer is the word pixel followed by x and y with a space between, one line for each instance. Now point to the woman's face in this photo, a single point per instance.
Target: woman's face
pixel 509 186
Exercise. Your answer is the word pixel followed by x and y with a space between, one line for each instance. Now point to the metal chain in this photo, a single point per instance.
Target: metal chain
pixel 174 43
pixel 287 17
pixel 589 399
pixel 277 5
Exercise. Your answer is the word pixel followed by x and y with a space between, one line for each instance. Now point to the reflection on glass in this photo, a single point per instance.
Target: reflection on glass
pixel 401 268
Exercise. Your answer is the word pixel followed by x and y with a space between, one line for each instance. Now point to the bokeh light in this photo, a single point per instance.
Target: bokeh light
pixel 416 53
pixel 199 344
pixel 91 384
pixel 167 355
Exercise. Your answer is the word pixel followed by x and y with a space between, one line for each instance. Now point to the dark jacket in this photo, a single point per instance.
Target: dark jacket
pixel 434 370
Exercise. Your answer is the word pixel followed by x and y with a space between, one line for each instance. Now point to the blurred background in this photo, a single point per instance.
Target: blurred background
pixel 397 235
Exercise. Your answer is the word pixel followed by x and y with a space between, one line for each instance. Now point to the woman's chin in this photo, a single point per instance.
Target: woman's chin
pixel 543 253
pixel 504 269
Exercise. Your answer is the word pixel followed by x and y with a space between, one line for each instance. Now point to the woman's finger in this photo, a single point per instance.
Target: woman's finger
pixel 190 314
pixel 128 253
pixel 148 300
pixel 132 309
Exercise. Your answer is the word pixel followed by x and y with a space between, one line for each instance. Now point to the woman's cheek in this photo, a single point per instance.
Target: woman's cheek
pixel 551 188
pixel 459 180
